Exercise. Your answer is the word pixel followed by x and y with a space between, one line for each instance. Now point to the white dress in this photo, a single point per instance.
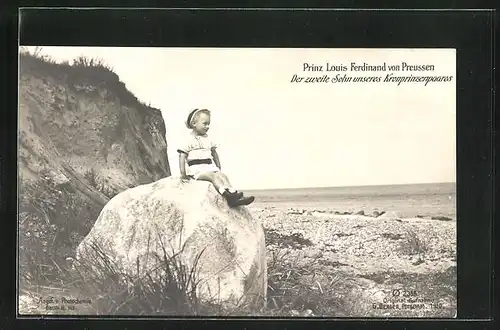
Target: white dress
pixel 198 149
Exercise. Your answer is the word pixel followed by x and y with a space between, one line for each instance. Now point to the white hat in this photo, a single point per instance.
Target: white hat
pixel 191 115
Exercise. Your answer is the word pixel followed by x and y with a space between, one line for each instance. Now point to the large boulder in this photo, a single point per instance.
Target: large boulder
pixel 190 226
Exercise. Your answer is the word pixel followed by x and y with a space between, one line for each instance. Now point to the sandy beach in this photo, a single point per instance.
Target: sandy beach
pixel 367 266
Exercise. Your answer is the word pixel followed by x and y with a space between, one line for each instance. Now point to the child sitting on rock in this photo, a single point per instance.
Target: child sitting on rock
pixel 199 152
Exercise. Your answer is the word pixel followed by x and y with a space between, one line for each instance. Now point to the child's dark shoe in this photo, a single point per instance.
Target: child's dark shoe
pixel 232 197
pixel 244 201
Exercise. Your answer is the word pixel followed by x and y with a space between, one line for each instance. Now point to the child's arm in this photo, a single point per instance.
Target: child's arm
pixel 215 156
pixel 182 164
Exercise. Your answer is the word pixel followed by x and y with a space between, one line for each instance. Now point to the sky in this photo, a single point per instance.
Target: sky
pixel 273 133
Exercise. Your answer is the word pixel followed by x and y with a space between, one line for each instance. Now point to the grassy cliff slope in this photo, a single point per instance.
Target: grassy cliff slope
pixel 83 137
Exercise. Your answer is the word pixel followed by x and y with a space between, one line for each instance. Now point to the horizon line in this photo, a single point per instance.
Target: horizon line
pixel 351 186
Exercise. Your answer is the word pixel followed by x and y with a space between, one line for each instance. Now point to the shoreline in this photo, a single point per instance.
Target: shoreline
pixel 372 212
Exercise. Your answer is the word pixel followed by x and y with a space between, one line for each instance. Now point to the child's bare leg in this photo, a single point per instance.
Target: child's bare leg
pixel 238 197
pixel 213 178
pixel 222 185
pixel 224 179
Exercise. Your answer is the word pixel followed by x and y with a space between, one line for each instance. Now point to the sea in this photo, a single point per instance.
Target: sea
pixel 411 200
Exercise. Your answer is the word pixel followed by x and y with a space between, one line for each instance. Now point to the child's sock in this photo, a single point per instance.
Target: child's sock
pixel 223 189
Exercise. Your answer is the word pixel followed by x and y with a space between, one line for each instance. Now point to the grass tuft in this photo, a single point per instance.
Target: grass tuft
pixel 170 288
pixel 299 288
pixel 413 244
pixel 84 74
